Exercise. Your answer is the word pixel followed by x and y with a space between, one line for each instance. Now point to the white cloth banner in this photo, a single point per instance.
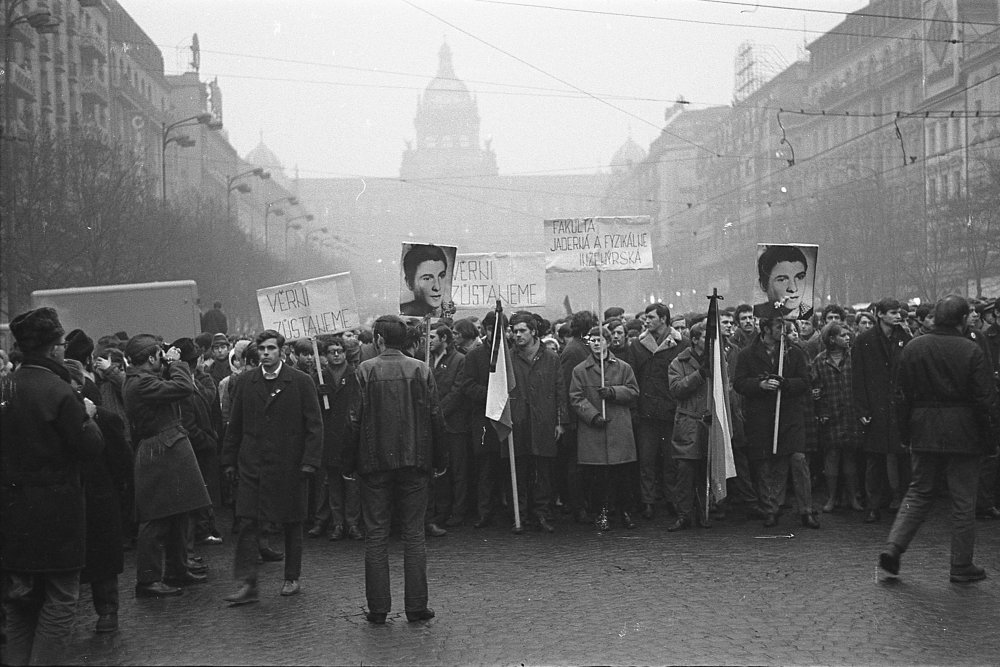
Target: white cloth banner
pixel 516 278
pixel 610 244
pixel 322 305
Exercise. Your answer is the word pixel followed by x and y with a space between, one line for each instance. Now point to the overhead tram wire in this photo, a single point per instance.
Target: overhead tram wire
pixel 560 80
pixel 813 10
pixel 672 19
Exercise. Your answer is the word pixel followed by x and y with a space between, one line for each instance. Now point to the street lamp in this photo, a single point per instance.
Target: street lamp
pixel 184 141
pixel 291 224
pixel 242 187
pixel 294 201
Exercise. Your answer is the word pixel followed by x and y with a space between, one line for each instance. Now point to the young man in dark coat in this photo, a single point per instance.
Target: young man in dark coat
pixel 949 415
pixel 875 358
pixel 274 443
pixel 48 432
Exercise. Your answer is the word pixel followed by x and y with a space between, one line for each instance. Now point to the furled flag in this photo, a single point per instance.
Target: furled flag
pixel 501 382
pixel 720 434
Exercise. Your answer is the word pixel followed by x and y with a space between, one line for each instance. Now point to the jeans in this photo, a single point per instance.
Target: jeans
pixel 962 471
pixel 653 447
pixel 40 611
pixel 409 486
pixel 161 540
pixel 772 477
pixel 247 548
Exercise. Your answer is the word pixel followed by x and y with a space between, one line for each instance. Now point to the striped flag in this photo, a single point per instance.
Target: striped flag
pixel 721 465
pixel 501 381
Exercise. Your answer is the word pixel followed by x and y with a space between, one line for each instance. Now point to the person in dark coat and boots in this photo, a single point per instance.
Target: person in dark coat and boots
pixel 949 415
pixel 168 483
pixel 398 443
pixel 874 359
pixel 274 443
pixel 105 479
pixel 48 432
pixel 573 354
pixel 757 379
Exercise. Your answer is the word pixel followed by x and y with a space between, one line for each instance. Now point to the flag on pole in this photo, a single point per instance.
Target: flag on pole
pixel 501 381
pixel 721 465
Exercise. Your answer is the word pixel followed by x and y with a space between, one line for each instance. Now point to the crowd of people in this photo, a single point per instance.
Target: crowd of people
pixel 135 442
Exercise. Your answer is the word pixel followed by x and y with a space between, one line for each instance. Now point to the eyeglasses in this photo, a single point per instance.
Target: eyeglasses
pixel 62 344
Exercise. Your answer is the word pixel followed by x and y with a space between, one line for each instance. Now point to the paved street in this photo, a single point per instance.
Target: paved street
pixel 736 593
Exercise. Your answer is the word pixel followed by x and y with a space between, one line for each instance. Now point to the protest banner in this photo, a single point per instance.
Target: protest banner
pixel 323 305
pixel 517 279
pixel 616 243
pixel 425 276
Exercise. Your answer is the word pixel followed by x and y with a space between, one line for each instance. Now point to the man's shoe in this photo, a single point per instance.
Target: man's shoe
pixel 337 533
pixel 647 511
pixel 107 623
pixel 316 531
pixel 967 573
pixel 290 587
pixel 377 619
pixel 888 562
pixel 422 615
pixel 186 579
pixel 771 521
pixel 269 555
pixel 682 523
pixel 627 521
pixel 209 539
pixel 196 566
pixel 354 533
pixel 157 589
pixel 872 516
pixel 434 530
pixel 483 521
pixel 246 594
pixel 988 513
pixel 809 521
pixel 455 521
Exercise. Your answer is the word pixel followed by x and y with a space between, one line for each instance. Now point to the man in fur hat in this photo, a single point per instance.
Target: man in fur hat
pixel 47 432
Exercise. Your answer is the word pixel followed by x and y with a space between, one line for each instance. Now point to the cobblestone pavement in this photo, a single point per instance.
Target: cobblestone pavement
pixel 736 593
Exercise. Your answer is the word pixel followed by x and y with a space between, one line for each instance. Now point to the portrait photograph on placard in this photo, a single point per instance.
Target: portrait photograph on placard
pixel 786 276
pixel 426 273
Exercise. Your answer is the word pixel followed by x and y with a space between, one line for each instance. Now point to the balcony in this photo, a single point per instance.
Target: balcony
pixel 94 90
pixel 131 95
pixel 93 45
pixel 22 83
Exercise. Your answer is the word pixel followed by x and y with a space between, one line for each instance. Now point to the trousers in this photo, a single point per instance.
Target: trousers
pixel 772 478
pixel 40 611
pixel 654 450
pixel 161 549
pixel 247 547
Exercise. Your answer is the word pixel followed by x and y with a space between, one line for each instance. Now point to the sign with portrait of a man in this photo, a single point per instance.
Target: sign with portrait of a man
pixel 427 271
pixel 786 275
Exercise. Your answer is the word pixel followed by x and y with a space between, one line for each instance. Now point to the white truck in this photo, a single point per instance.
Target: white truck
pixel 169 309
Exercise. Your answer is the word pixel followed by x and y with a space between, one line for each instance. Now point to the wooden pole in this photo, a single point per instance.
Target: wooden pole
pixel 513 480
pixel 319 372
pixel 777 404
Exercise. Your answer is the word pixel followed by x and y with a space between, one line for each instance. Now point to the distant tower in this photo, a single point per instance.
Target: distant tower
pixel 447 125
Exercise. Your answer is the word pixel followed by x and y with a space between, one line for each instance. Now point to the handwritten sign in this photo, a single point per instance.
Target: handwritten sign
pixel 310 307
pixel 516 278
pixel 610 244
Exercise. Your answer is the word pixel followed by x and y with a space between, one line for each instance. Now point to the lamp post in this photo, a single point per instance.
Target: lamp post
pixel 184 141
pixel 277 211
pixel 291 224
pixel 241 187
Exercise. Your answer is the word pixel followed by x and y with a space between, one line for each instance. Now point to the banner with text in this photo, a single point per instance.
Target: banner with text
pixel 516 278
pixel 322 305
pixel 610 244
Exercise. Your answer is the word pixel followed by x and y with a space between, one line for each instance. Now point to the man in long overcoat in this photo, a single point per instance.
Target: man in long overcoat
pixel 274 443
pixel 875 358
pixel 949 415
pixel 168 483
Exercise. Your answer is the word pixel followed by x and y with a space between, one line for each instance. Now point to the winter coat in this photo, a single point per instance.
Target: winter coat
pixel 752 364
pixel 575 352
pixel 200 418
pixel 874 360
pixel 46 436
pixel 105 479
pixel 836 418
pixel 652 364
pixel 454 406
pixel 948 401
pixel 396 419
pixel 538 402
pixel 276 428
pixel 337 420
pixel 613 443
pixel 167 478
pixel 690 390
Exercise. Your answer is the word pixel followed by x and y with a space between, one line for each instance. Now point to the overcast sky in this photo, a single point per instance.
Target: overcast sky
pixel 333 84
